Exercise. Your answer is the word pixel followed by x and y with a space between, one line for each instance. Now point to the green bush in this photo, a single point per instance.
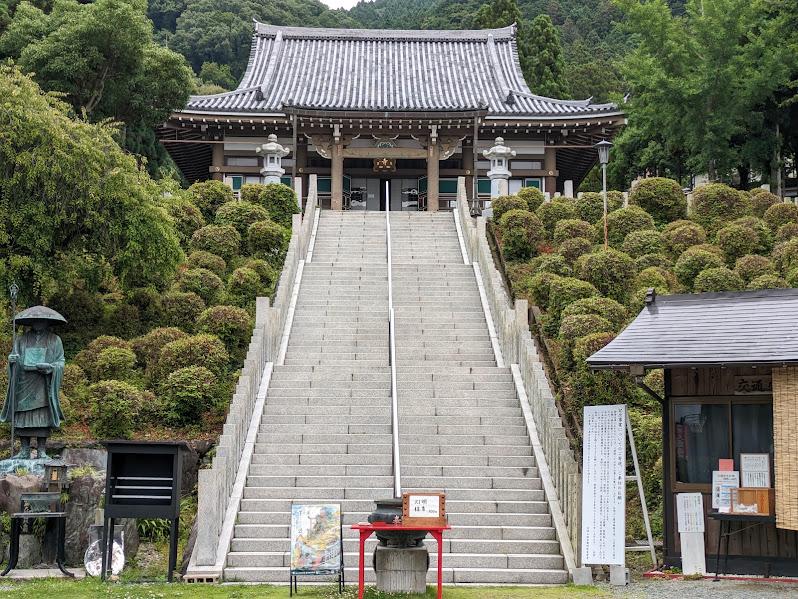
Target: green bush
pixel 240 215
pixel 203 282
pixel 563 291
pixel 208 261
pixel 786 232
pixel 717 279
pixel 117 363
pixel 609 271
pixel 188 393
pixel 148 347
pixel 737 241
pixel 676 224
pixel 87 357
pixel 199 350
pixel 622 222
pixel 586 346
pixel 536 288
pixel 571 228
pixel 571 249
pixel 551 263
pixel 648 260
pixel 231 324
pixel 762 230
pixel 115 406
pixel 268 274
pixel 280 201
pixel 640 243
pixel 752 266
pixel 693 261
pixel 662 198
pixel 268 240
pixel 717 204
pixel 652 276
pixel 222 240
pixel 504 204
pixel 521 232
pixel 209 195
pixel 770 281
pixel 250 192
pixel 590 206
pixel 181 309
pixel 605 307
pixel 186 217
pixel 121 319
pixel 550 213
pixel 147 301
pixel 74 396
pixel 761 201
pixel 532 196
pixel 792 277
pixel 578 325
pixel 785 255
pixel 780 214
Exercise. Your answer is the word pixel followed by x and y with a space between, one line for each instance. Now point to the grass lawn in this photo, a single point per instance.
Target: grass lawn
pixel 90 589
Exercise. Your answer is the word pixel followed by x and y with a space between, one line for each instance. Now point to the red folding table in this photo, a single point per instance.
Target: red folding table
pixel 366 530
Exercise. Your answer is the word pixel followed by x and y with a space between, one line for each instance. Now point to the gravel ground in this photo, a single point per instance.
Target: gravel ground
pixel 703 589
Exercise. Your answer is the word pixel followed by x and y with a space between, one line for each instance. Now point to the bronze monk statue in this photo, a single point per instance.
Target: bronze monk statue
pixel 36 366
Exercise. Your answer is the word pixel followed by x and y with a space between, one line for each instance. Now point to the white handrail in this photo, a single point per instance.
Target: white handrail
pixel 397 468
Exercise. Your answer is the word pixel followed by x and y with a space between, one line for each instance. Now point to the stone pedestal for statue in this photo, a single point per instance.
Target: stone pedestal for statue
pixel 401 570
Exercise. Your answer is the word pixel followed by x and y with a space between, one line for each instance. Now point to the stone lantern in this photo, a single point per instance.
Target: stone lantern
pixel 55 475
pixel 499 173
pixel 273 153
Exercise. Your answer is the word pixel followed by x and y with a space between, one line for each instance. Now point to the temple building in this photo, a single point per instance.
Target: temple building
pixel 386 116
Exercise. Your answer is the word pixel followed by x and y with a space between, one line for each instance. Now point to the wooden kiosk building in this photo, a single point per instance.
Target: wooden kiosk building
pixel 731 387
pixel 388 115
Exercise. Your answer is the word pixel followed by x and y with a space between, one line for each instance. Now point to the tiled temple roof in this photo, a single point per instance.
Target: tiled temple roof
pixel 387 70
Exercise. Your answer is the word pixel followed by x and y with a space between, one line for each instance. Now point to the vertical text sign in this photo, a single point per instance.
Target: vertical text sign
pixel 604 485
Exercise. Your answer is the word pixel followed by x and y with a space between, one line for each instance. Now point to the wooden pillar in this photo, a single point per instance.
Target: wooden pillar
pixel 468 162
pixel 300 164
pixel 550 166
pixel 433 175
pixel 337 156
pixel 217 162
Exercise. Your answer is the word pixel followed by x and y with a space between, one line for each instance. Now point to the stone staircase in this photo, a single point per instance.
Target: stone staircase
pixel 461 426
pixel 325 435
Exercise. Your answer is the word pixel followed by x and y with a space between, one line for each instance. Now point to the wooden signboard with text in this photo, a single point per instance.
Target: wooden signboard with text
pixel 424 509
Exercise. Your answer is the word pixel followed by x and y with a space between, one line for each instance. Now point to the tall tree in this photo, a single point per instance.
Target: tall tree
pixel 545 69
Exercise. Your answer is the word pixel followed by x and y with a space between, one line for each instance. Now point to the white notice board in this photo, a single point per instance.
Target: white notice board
pixel 690 512
pixel 755 470
pixel 604 485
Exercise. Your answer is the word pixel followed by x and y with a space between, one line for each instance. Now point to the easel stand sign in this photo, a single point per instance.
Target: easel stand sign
pixel 317 546
pixel 604 480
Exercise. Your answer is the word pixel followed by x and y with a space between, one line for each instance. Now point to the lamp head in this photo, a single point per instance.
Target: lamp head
pixel 603 148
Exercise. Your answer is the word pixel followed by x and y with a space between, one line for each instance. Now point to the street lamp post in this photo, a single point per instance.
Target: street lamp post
pixel 603 148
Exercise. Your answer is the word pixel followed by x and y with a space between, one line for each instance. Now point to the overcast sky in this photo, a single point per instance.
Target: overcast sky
pixel 340 3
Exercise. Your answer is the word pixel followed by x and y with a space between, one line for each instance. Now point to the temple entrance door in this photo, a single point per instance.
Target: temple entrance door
pixel 385 193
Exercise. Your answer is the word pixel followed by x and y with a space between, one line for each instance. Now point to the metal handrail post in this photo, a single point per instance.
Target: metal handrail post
pixel 397 469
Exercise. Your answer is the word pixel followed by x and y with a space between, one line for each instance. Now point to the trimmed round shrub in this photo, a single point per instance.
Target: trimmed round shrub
pixel 250 192
pixel 605 307
pixel 268 274
pixel 709 247
pixel 563 291
pixel 551 263
pixel 752 266
pixel 222 240
pixel 240 215
pixel 198 350
pixel 586 346
pixel 231 324
pixel 536 288
pixel 504 204
pixel 188 393
pixel 117 363
pixel 186 217
pixel 209 195
pixel 716 204
pixel 521 232
pixel 652 276
pixel 756 191
pixel 147 301
pixel 578 325
pixel 737 241
pixel 717 279
pixel 622 222
pixel 786 232
pixel 203 282
pixel 148 347
pixel 770 281
pixel 550 213
pixel 181 309
pixel 268 240
pixel 785 255
pixel 610 271
pixel 532 196
pixel 648 260
pixel 781 214
pixel 87 357
pixel 73 377
pixel 762 230
pixel 761 201
pixel 662 198
pixel 693 261
pixel 208 261
pixel 590 206
pixel 571 249
pixel 571 228
pixel 640 243
pixel 676 224
pixel 280 201
pixel 792 278
pixel 115 406
pixel 243 286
